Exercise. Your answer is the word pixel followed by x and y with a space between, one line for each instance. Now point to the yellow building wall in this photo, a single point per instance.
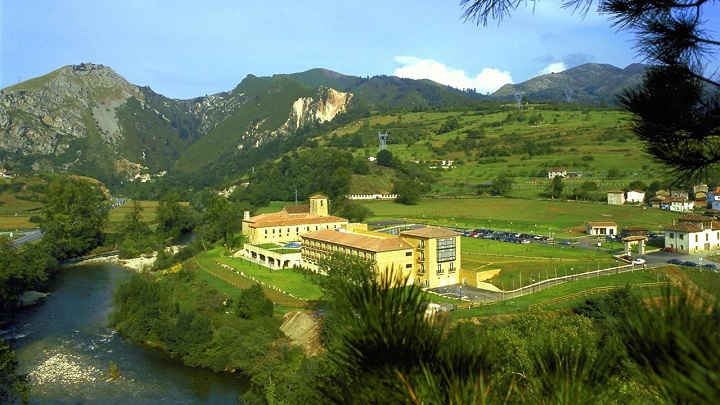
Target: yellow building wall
pixel 282 234
pixel 399 261
pixel 426 263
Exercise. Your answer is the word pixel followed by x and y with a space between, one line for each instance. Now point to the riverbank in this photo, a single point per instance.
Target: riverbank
pixel 138 264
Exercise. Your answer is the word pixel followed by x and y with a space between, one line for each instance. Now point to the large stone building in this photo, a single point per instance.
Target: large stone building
pixel 302 235
pixel 288 224
pixel 428 256
pixel 693 233
pixel 274 239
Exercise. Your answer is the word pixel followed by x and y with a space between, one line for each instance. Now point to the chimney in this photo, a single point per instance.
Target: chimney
pixel 246 215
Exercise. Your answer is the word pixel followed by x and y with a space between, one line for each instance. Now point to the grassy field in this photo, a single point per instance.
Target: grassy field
pixel 521 144
pixel 518 215
pixel 19 202
pixel 147 215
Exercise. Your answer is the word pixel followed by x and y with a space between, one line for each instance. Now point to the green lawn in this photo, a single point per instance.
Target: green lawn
pixel 296 283
pixel 519 215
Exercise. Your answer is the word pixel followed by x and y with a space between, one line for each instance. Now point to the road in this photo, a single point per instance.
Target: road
pixel 27 236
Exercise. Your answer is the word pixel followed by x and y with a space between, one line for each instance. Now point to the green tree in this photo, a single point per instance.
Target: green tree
pixel 408 192
pixel 14 387
pixel 614 173
pixel 555 187
pixel 137 238
pixel 450 124
pixel 173 217
pixel 219 218
pixel 677 345
pixel 253 303
pixel 385 350
pixel 676 106
pixel 384 158
pixel 637 185
pixel 502 184
pixel 73 217
pixel 351 210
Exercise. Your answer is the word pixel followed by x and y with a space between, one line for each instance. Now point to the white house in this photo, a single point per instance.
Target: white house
pixel 677 204
pixel 557 173
pixel 693 233
pixel 601 228
pixel 682 205
pixel 635 196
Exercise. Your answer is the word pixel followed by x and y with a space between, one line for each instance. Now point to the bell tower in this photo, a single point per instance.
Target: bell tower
pixel 319 205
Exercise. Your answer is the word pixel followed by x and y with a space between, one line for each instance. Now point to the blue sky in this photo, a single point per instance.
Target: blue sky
pixel 185 49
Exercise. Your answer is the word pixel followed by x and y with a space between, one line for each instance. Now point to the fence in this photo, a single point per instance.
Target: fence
pixel 595 290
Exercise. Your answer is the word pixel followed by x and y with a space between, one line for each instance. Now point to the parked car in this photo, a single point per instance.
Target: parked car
pixel 565 242
pixel 709 266
pixel 638 261
pixel 676 261
pixel 668 249
pixel 690 264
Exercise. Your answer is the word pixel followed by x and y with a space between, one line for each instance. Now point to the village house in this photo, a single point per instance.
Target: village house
pixel 601 228
pixel 655 201
pixel 616 197
pixel 557 173
pixel 693 233
pixel 677 204
pixel 635 196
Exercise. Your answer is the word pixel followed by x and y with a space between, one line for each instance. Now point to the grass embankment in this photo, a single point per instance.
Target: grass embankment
pixel 526 264
pixel 247 273
pixel 591 287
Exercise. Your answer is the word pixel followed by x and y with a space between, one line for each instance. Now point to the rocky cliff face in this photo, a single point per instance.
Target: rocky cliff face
pixel 327 104
pixel 44 115
pixel 86 118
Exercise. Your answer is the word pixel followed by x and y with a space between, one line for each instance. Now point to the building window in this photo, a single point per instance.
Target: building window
pixel 452 267
pixel 681 235
pixel 446 250
pixel 408 266
pixel 422 244
pixel 439 269
pixel 408 253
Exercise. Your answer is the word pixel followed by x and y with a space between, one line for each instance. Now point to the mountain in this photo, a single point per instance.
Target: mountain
pixel 87 119
pixel 590 83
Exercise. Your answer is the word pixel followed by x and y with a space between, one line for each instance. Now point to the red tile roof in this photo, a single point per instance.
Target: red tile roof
pixel 431 232
pixel 358 241
pixel 684 227
pixel 602 224
pixel 283 218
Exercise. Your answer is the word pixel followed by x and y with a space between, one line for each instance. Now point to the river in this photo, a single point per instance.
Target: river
pixel 66 348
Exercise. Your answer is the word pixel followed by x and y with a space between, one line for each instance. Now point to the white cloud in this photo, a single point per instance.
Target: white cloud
pixel 488 80
pixel 552 68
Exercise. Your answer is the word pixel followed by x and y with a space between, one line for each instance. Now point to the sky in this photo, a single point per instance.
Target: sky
pixel 185 49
